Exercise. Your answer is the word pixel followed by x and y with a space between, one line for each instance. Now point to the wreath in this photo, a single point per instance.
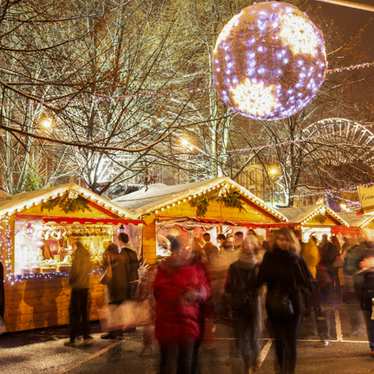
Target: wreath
pixel 68 203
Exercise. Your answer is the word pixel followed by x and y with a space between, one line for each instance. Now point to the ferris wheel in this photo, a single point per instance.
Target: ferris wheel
pixel 342 136
pixel 339 146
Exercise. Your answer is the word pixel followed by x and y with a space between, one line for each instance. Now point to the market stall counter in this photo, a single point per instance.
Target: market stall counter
pixel 36 234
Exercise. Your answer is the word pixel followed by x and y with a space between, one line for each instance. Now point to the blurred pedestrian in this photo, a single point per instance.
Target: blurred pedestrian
pixel 147 275
pixel 280 271
pixel 310 253
pixel 2 300
pixel 327 271
pixel 180 289
pixel 122 263
pixel 211 251
pixel 79 280
pixel 364 285
pixel 2 291
pixel 221 238
pixel 242 294
pixel 238 240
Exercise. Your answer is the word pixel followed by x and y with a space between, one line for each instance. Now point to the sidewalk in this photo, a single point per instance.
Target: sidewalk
pixel 50 356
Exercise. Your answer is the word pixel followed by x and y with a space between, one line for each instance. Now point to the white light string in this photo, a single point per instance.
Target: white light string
pixel 365 65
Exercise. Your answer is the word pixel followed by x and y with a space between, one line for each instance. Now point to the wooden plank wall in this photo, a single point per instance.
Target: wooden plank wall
pixel 33 304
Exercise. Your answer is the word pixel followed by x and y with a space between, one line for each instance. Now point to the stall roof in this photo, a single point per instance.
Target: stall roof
pixel 159 196
pixel 304 214
pixel 25 200
pixel 356 220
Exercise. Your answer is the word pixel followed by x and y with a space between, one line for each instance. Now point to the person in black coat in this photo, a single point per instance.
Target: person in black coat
pixel 364 287
pixel 285 279
pixel 2 292
pixel 242 293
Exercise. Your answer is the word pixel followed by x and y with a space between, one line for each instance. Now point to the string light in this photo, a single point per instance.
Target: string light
pixel 365 65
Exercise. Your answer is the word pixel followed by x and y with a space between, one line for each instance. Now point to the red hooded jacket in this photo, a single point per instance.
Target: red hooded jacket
pixel 178 319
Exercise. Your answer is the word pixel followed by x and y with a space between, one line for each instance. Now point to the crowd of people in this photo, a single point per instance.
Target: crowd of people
pixel 202 284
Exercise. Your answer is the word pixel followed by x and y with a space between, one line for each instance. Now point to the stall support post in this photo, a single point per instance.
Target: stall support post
pixel 149 240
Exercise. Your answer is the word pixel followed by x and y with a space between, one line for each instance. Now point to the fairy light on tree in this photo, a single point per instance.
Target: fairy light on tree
pixel 269 61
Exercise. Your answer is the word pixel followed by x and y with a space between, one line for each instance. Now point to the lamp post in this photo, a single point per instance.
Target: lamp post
pixel 273 172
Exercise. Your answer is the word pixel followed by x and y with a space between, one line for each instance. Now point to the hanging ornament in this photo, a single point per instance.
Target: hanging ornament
pixel 269 61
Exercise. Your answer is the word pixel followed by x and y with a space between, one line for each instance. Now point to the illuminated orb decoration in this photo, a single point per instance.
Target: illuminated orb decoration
pixel 269 61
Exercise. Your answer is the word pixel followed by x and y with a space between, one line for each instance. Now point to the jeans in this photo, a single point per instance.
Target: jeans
pixel 79 323
pixel 177 358
pixel 285 335
pixel 370 328
pixel 246 340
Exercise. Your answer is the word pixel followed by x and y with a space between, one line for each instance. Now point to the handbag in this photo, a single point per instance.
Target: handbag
pixel 107 276
pixel 279 304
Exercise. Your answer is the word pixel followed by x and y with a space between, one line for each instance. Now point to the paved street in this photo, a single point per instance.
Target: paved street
pixel 43 352
pixel 342 358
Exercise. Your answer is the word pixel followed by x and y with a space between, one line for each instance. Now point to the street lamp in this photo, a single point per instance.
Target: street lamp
pixel 274 173
pixel 46 123
pixel 186 144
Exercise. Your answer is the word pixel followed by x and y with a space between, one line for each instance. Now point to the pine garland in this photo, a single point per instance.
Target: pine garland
pixel 228 199
pixel 201 204
pixel 67 203
pixel 231 200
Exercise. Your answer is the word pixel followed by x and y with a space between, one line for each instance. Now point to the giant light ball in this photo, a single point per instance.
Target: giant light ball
pixel 269 61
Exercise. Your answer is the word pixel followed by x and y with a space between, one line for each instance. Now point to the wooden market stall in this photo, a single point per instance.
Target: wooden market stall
pixel 219 201
pixel 360 225
pixel 315 219
pixel 36 230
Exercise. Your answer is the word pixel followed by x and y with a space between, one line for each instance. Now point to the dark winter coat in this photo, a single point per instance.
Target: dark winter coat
pixel 281 272
pixel 328 254
pixel 124 264
pixel 364 287
pixel 79 277
pixel 2 292
pixel 178 319
pixel 242 291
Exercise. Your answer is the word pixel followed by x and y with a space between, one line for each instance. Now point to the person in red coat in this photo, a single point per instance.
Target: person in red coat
pixel 181 288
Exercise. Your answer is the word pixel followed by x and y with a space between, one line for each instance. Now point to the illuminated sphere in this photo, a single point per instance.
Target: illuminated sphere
pixel 269 61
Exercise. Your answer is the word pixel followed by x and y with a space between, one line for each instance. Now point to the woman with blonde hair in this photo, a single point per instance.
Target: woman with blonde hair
pixel 285 279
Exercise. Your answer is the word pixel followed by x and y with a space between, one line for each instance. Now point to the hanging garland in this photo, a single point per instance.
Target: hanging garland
pixel 231 200
pixel 201 204
pixel 69 202
pixel 228 199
